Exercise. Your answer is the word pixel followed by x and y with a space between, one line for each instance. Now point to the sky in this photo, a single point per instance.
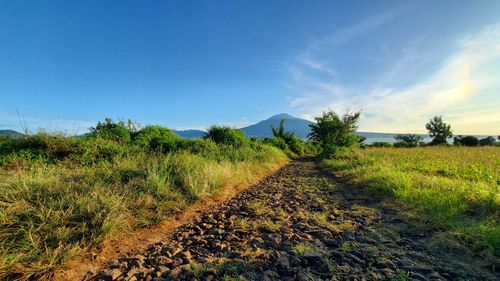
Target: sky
pixel 64 65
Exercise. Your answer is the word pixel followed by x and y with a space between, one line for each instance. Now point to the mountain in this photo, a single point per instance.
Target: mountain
pixel 10 133
pixel 292 124
pixel 190 133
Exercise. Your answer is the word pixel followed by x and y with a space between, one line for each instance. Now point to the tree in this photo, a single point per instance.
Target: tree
pixel 280 131
pixel 291 141
pixel 438 130
pixel 111 130
pixel 156 138
pixel 226 136
pixel 467 141
pixel 409 140
pixel 487 141
pixel 332 129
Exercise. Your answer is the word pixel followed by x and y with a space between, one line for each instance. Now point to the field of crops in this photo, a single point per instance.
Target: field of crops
pixel 453 189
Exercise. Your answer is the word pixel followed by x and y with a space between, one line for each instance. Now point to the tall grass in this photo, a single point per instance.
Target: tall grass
pixel 455 189
pixel 71 195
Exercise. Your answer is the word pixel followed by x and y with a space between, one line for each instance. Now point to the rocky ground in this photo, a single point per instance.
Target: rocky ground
pixel 299 224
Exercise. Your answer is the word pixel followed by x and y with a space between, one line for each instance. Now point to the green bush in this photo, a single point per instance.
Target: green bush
pixel 381 144
pixel 467 141
pixel 487 141
pixel 227 136
pixel 156 138
pixel 198 146
pixel 409 140
pixel 332 129
pixel 405 144
pixel 331 150
pixel 108 129
pixel 43 145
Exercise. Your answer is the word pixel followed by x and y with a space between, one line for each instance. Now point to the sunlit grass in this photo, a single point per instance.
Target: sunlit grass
pixel 51 212
pixel 452 188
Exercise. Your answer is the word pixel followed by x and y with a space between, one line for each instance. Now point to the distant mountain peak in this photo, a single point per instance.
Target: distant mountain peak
pixel 282 116
pixel 293 124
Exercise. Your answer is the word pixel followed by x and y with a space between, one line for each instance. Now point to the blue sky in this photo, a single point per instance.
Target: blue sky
pixel 188 64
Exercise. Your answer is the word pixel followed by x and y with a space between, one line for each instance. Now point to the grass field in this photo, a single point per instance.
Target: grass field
pixel 60 196
pixel 451 189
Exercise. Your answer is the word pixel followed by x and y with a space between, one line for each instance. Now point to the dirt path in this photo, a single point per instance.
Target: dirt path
pixel 298 224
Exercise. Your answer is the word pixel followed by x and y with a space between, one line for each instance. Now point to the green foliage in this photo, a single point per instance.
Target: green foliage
pixel 405 144
pixel 467 141
pixel 226 135
pixel 331 150
pixel 331 129
pixel 120 132
pixel 198 146
pixel 487 141
pixel 451 188
pixel 381 144
pixel 409 140
pixel 438 131
pixel 290 141
pixel 61 194
pixel 156 138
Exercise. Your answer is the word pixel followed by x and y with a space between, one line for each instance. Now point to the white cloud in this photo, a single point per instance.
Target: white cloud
pixel 462 90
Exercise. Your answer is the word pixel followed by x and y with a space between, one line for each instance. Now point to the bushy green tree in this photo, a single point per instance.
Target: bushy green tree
pixel 227 136
pixel 467 141
pixel 117 131
pixel 291 141
pixel 487 141
pixel 381 144
pixel 408 140
pixel 334 130
pixel 156 138
pixel 438 130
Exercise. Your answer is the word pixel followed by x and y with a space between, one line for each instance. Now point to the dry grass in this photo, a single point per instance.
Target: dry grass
pixel 51 212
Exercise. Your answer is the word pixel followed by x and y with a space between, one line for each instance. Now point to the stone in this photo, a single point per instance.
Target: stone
pixel 417 276
pixel 294 261
pixel 185 256
pixel 304 276
pixel 312 257
pixel 406 262
pixel 111 274
pixel 283 262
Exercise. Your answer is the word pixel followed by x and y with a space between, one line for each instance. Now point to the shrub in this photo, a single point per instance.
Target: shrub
pixel 156 138
pixel 279 143
pixel 205 147
pixel 108 129
pixel 292 142
pixel 51 147
pixel 331 150
pixel 331 129
pixel 226 135
pixel 405 144
pixel 409 140
pixel 467 141
pixel 381 144
pixel 487 141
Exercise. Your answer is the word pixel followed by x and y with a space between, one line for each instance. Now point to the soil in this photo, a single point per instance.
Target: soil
pixel 301 223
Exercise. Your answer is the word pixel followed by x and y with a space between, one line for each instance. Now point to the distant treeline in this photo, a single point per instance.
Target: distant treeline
pixel 440 132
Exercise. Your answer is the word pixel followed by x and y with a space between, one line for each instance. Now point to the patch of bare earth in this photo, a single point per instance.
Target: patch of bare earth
pixel 298 224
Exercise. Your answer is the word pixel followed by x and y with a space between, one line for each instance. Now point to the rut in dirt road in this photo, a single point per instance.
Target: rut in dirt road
pixel 298 224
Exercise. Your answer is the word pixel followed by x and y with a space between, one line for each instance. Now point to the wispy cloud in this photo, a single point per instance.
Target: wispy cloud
pixel 463 88
pixel 347 34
